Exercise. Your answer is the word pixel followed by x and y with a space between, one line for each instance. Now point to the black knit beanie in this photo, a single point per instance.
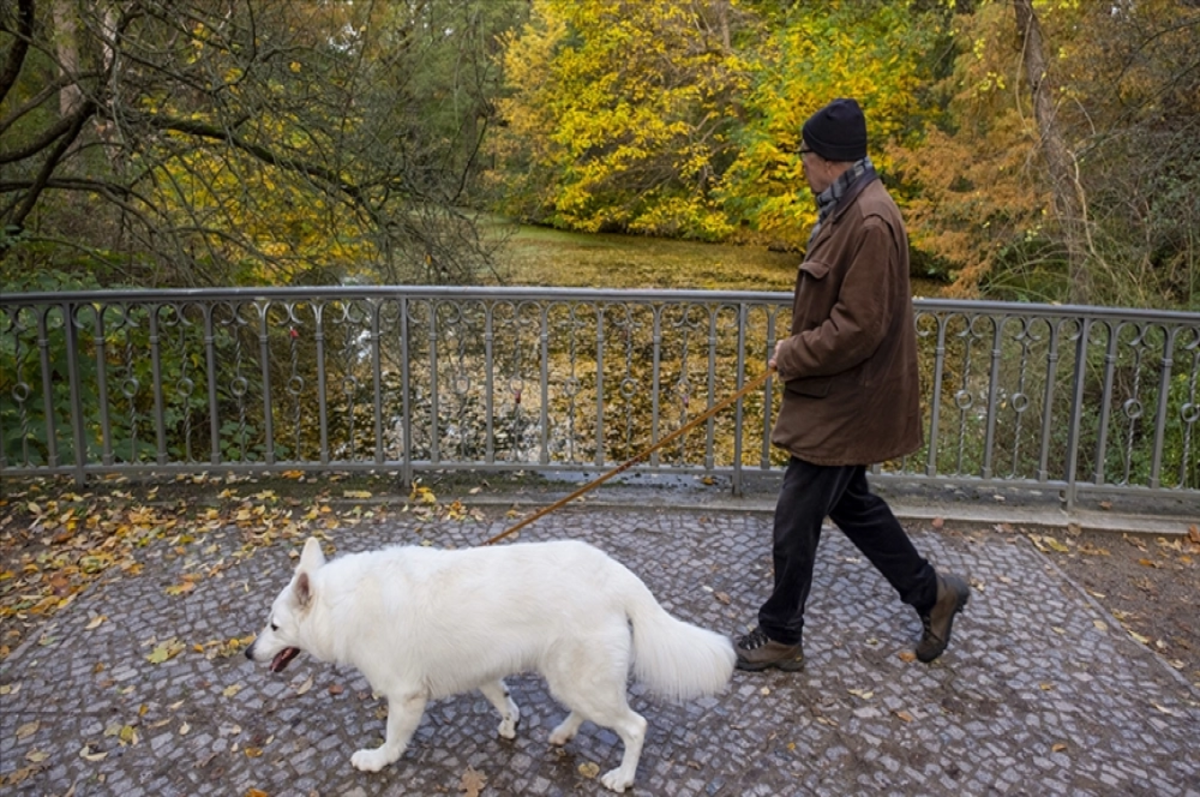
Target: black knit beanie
pixel 837 132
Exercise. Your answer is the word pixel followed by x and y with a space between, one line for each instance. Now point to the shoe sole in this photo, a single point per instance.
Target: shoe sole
pixel 787 665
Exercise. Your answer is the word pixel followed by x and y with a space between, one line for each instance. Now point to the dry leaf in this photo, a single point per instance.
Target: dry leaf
pixel 904 715
pixel 938 522
pixel 355 494
pixel 304 687
pixel 907 656
pixel 1058 748
pixel 87 755
pixel 723 597
pixel 36 756
pixel 1194 533
pixel 256 793
pixel 472 782
pixel 95 623
pixel 230 691
pixel 28 729
pixel 589 770
pixel 336 689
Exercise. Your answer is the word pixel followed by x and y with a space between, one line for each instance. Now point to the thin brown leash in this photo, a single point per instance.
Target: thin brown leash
pixel 752 386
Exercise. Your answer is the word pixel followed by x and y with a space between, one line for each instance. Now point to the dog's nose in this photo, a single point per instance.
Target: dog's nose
pixel 250 652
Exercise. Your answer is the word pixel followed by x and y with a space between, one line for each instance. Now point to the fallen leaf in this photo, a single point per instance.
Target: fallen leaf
pixel 165 651
pixel 256 793
pixel 938 522
pixel 355 494
pixel 907 656
pixel 336 689
pixel 36 756
pixel 253 752
pixel 95 623
pixel 1058 748
pixel 472 782
pixel 88 755
pixel 28 729
pixel 723 597
pixel 1055 544
pixel 230 691
pixel 1194 533
pixel 904 715
pixel 863 693
pixel 589 770
pixel 304 687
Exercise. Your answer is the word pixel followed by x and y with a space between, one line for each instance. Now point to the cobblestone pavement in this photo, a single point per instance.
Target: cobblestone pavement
pixel 1041 692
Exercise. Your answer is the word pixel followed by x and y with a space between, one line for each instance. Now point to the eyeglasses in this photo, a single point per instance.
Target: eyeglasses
pixel 803 151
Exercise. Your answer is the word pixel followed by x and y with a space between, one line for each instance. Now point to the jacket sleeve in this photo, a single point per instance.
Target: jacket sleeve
pixel 859 317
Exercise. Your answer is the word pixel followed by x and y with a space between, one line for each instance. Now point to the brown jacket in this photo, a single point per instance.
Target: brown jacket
pixel 852 391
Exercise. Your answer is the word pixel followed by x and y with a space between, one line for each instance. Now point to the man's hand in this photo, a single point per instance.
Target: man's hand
pixel 773 363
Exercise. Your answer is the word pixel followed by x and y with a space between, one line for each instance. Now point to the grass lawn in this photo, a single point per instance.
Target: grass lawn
pixel 539 256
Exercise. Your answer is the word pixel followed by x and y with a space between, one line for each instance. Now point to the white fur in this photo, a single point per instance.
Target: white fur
pixel 422 623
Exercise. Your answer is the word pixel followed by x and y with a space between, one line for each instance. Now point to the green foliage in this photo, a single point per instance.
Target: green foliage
pixel 619 116
pixel 876 53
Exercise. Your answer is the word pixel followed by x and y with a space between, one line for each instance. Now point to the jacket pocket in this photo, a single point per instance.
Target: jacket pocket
pixel 815 269
pixel 810 387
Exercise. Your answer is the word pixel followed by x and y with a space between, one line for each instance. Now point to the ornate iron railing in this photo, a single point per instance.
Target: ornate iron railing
pixel 416 378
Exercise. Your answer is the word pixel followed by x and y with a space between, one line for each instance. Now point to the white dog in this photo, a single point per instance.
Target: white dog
pixel 422 623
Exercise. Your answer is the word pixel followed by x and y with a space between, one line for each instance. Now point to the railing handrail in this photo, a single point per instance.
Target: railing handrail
pixel 1055 396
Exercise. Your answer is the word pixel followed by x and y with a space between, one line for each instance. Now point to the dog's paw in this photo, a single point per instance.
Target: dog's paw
pixel 616 780
pixel 566 730
pixel 508 728
pixel 370 760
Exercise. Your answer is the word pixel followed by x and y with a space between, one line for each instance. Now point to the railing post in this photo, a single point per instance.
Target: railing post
pixel 78 428
pixel 1073 431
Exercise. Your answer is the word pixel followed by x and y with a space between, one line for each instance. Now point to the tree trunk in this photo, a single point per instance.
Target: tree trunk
pixel 70 96
pixel 1060 161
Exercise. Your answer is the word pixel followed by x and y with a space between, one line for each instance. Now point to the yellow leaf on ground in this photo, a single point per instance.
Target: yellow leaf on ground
pixel 230 691
pixel 165 651
pixel 589 770
pixel 355 494
pixel 96 621
pixel 28 729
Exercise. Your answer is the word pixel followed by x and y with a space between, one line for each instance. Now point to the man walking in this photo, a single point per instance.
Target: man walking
pixel 851 397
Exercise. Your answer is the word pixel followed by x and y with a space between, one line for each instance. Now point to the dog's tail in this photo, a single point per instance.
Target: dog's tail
pixel 675 659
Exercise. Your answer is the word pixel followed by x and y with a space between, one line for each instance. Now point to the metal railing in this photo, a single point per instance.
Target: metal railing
pixel 408 379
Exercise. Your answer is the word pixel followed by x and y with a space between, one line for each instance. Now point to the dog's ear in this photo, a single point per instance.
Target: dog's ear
pixel 312 558
pixel 303 590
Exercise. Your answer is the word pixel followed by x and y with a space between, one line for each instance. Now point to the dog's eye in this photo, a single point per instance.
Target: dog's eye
pixel 274 626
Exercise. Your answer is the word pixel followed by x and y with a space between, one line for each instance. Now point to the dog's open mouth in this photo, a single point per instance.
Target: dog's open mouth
pixel 283 658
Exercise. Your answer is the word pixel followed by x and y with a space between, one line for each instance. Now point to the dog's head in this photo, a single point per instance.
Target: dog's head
pixel 283 638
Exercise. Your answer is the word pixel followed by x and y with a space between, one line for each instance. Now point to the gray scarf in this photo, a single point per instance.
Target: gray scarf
pixel 828 199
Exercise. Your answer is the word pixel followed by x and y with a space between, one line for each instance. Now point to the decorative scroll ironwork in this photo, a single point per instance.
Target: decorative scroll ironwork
pixel 406 378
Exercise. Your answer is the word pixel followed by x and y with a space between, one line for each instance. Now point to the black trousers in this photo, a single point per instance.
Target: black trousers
pixel 809 494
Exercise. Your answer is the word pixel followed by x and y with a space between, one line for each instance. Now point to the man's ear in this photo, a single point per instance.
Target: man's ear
pixel 313 557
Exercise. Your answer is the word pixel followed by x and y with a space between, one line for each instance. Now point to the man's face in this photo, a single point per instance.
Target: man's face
pixel 816 170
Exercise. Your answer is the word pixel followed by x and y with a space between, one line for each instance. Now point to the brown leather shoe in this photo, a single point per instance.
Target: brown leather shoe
pixel 952 596
pixel 756 651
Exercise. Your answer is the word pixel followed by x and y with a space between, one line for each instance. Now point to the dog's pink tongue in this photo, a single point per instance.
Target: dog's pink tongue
pixel 283 658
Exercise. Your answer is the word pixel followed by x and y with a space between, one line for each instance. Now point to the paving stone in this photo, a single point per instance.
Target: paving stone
pixel 1033 697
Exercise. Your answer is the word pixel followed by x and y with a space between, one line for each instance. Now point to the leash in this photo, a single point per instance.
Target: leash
pixel 752 386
